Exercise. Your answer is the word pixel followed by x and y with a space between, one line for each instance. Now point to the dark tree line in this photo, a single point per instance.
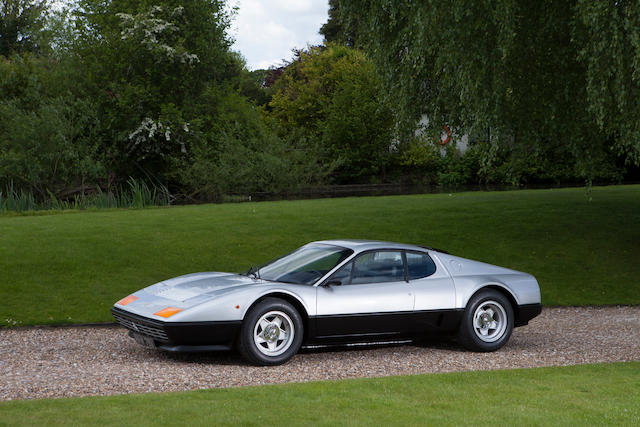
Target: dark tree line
pixel 105 91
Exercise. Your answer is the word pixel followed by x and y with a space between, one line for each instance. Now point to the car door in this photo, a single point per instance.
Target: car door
pixel 434 292
pixel 373 297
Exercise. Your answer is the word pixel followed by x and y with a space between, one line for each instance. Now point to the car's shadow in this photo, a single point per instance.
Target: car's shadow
pixel 433 343
pixel 228 358
pixel 233 358
pixel 439 343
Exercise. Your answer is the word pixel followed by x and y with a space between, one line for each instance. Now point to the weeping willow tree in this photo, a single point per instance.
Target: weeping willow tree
pixel 537 74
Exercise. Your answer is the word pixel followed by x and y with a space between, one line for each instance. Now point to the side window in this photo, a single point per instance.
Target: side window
pixel 419 265
pixel 378 267
pixel 343 275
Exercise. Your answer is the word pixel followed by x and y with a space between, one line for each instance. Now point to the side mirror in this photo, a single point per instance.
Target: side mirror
pixel 333 282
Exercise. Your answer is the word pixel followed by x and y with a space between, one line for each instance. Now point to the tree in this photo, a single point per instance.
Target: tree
pixel 335 29
pixel 150 66
pixel 47 128
pixel 330 97
pixel 252 85
pixel 607 36
pixel 21 25
pixel 552 73
pixel 176 105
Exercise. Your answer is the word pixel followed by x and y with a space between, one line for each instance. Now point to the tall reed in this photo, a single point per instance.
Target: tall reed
pixel 134 194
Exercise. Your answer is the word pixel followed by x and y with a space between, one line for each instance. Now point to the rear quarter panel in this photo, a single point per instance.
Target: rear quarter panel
pixel 470 276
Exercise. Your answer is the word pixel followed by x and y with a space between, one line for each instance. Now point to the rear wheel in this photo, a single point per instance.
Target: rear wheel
pixel 271 333
pixel 487 322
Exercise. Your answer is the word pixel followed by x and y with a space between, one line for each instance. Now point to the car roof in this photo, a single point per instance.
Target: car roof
pixel 360 245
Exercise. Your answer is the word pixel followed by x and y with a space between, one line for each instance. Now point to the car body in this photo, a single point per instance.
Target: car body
pixel 333 291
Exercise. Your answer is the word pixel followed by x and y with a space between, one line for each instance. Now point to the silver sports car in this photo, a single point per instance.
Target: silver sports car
pixel 329 292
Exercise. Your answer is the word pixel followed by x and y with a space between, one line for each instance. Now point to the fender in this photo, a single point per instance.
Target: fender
pixel 275 293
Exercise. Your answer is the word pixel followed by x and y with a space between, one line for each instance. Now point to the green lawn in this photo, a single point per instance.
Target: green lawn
pixel 576 395
pixel 71 267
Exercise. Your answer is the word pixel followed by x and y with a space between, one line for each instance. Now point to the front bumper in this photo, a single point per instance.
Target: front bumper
pixel 181 336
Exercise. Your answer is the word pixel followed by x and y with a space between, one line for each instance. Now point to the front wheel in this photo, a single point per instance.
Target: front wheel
pixel 271 333
pixel 487 322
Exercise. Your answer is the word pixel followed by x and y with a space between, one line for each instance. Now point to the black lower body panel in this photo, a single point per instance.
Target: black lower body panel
pixel 526 312
pixel 181 336
pixel 367 327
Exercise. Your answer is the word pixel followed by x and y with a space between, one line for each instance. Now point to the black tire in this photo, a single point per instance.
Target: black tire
pixel 487 322
pixel 281 338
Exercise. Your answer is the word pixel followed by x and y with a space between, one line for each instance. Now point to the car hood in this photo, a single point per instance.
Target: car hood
pixel 194 288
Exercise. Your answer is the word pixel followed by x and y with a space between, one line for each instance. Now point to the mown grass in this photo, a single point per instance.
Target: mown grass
pixel 71 267
pixel 575 395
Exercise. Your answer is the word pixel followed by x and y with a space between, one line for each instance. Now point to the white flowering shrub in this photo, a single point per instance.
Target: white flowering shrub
pixel 157 31
pixel 149 129
pixel 156 34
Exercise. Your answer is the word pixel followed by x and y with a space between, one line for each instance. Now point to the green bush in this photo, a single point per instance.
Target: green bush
pixel 331 96
pixel 239 155
pixel 47 133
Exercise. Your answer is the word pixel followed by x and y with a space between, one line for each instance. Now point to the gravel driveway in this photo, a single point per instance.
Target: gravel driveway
pixel 79 361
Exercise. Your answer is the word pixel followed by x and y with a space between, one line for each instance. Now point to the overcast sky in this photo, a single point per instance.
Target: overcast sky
pixel 267 30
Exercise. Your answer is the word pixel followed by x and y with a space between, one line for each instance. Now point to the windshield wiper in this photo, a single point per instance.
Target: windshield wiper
pixel 253 271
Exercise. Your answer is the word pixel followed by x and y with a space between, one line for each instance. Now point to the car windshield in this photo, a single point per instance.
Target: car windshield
pixel 305 265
